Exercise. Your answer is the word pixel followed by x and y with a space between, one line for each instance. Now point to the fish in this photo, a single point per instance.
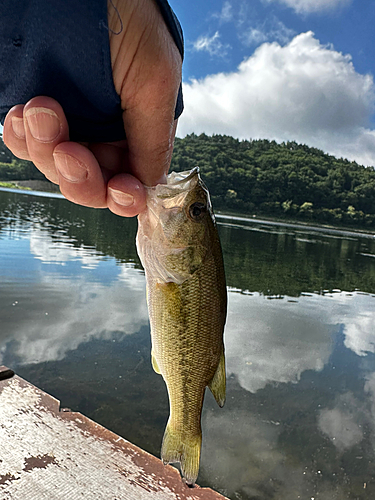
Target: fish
pixel 179 248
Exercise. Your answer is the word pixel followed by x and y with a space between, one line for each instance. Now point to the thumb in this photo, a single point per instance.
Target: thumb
pixel 147 75
pixel 150 135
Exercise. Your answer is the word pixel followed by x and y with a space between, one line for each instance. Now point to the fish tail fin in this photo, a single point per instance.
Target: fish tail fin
pixel 183 449
pixel 217 383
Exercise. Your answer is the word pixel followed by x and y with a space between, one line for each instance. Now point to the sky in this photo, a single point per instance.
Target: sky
pixel 284 70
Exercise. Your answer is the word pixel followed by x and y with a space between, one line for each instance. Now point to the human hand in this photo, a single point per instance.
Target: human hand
pixel 146 67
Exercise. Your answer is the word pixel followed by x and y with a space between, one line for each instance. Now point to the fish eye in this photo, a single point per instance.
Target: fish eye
pixel 197 210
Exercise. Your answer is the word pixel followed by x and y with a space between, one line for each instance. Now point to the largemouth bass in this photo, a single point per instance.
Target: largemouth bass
pixel 179 248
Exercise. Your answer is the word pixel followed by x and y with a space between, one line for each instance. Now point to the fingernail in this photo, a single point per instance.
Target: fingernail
pixel 70 168
pixel 124 199
pixel 44 124
pixel 18 127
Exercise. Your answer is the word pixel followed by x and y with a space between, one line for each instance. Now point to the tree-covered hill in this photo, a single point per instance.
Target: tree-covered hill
pixel 288 179
pixel 264 178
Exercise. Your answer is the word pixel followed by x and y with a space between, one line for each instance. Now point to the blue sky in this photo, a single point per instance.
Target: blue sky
pixel 282 69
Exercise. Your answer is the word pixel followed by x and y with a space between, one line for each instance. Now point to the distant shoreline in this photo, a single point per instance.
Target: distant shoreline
pixel 34 185
pixel 31 187
pixel 295 224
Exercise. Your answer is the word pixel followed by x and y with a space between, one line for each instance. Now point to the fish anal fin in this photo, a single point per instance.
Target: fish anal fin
pixel 217 384
pixel 155 364
pixel 183 449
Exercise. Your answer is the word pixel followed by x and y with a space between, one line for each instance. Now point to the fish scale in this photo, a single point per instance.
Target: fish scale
pixel 179 247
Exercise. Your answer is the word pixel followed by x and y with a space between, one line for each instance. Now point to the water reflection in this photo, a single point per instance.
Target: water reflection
pixel 277 340
pixel 299 422
pixel 56 295
pixel 69 312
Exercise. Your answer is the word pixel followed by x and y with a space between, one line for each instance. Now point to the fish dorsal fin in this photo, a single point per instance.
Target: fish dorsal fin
pixel 217 384
pixel 155 364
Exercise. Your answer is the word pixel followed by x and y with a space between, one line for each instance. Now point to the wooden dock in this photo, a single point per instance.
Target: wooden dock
pixel 51 454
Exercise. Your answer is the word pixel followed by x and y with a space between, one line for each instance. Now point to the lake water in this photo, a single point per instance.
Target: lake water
pixel 299 421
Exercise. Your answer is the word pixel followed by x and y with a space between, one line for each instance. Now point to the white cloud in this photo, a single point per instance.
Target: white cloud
pixel 243 14
pixel 254 36
pixel 226 13
pixel 302 91
pixel 310 6
pixel 212 45
pixel 271 30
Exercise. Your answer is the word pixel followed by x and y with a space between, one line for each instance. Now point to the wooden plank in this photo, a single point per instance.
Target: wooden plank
pixel 48 454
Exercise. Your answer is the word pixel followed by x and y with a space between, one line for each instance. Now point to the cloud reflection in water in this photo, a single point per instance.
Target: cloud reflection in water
pixel 47 318
pixel 60 251
pixel 277 340
pixel 290 421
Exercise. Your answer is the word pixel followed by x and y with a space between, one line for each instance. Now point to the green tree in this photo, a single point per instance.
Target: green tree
pixel 6 156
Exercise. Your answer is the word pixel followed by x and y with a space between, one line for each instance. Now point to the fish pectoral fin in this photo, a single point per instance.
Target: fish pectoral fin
pixel 183 449
pixel 155 364
pixel 217 384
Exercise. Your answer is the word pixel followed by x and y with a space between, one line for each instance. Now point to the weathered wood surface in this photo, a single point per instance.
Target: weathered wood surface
pixel 48 454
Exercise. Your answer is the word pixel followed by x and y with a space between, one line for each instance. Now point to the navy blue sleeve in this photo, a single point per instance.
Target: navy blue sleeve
pixel 60 49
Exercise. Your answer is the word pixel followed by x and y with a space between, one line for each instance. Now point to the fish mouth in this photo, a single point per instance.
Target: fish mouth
pixel 172 195
pixel 182 177
pixel 177 183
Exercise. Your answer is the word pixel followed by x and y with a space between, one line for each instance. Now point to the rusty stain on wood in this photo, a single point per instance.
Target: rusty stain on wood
pixel 48 454
pixel 7 477
pixel 39 462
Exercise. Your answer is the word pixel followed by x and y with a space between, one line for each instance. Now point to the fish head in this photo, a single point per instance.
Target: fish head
pixel 174 234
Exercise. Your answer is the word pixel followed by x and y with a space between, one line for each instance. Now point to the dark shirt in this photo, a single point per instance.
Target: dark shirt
pixel 60 49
